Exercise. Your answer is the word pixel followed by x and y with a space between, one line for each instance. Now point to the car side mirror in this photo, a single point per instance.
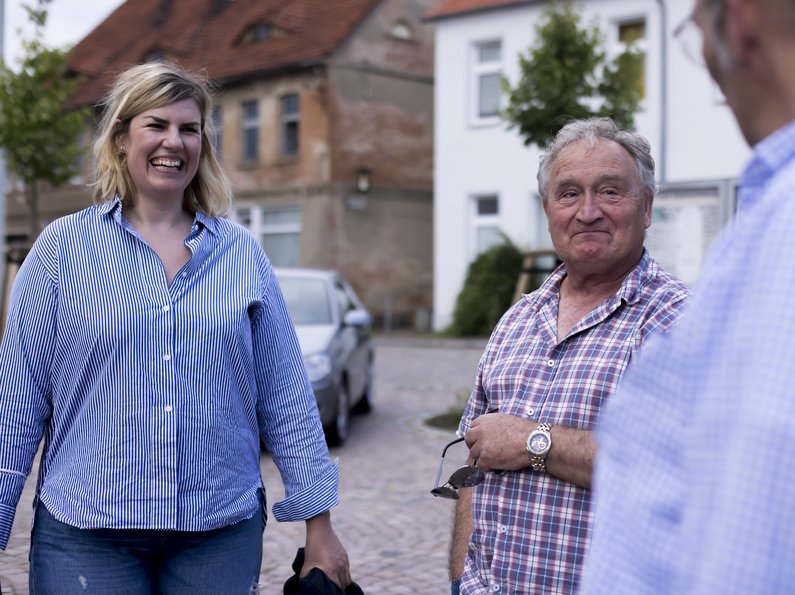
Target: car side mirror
pixel 357 318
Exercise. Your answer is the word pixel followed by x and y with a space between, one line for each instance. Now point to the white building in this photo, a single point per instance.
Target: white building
pixel 485 176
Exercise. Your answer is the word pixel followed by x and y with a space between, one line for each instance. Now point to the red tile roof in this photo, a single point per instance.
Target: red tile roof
pixel 455 7
pixel 206 34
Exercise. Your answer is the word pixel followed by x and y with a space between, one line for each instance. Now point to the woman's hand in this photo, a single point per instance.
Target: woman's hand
pixel 324 550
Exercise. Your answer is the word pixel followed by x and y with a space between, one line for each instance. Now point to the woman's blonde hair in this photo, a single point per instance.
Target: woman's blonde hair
pixel 145 87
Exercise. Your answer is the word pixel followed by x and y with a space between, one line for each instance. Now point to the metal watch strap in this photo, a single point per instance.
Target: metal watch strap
pixel 538 462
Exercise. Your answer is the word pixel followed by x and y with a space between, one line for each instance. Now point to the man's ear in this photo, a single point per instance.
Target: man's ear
pixel 743 28
pixel 648 210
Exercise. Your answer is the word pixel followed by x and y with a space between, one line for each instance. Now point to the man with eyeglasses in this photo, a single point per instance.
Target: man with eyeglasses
pixel 552 361
pixel 695 481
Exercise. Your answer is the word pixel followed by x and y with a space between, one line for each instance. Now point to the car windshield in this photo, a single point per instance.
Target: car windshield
pixel 307 300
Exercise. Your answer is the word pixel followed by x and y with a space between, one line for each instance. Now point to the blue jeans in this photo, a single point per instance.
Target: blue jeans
pixel 67 560
pixel 455 587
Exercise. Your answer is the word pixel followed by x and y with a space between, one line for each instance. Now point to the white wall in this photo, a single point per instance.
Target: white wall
pixel 703 141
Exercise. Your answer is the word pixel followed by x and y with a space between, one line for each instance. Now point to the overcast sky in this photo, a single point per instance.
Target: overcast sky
pixel 68 22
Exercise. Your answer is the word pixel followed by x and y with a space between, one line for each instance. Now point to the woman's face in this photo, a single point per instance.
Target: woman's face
pixel 163 147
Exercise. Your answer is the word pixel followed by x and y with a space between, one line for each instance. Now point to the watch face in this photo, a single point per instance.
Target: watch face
pixel 539 443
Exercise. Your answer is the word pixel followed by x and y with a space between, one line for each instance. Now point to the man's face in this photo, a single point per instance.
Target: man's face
pixel 716 54
pixel 730 68
pixel 596 209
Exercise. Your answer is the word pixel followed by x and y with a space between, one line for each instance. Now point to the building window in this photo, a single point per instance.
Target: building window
pixel 256 33
pixel 277 229
pixel 486 231
pixel 633 34
pixel 250 131
pixel 290 125
pixel 486 79
pixel 402 30
pixel 155 55
pixel 84 140
pixel 217 130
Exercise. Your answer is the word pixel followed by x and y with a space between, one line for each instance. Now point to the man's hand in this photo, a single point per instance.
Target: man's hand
pixel 499 441
pixel 324 550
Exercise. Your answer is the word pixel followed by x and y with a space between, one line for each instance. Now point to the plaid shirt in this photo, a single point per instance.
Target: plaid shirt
pixel 695 489
pixel 531 530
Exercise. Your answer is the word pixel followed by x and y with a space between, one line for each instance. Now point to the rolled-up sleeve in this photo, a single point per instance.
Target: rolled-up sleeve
pixel 288 417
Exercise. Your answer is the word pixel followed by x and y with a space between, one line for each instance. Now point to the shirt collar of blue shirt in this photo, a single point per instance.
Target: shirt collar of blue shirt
pixel 770 155
pixel 114 208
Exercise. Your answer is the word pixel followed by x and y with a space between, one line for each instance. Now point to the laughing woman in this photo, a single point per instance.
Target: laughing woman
pixel 148 344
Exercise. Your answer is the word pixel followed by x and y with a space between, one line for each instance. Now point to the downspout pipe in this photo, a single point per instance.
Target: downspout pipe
pixel 663 161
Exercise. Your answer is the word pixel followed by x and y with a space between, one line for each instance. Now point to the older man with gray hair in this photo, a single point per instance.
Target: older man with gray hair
pixel 695 489
pixel 552 361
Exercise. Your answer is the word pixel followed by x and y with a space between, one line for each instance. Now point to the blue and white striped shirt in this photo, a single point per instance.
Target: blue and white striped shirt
pixel 695 476
pixel 153 398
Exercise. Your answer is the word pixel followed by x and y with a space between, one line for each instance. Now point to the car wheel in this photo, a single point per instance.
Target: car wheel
pixel 337 432
pixel 365 403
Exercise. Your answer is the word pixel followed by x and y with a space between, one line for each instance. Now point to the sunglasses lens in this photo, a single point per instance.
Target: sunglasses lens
pixel 466 477
pixel 445 492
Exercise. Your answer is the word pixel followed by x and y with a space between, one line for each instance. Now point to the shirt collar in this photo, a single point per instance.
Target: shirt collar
pixel 632 286
pixel 114 209
pixel 630 290
pixel 770 155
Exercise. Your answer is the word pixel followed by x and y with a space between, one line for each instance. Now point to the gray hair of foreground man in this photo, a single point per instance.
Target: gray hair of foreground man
pixel 591 131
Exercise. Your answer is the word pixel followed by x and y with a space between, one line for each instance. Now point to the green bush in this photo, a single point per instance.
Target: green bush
pixel 488 290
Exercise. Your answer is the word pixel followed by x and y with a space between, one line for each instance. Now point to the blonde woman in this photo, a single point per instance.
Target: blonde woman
pixel 148 344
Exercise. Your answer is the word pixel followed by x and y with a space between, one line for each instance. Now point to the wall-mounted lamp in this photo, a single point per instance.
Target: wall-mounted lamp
pixel 363 180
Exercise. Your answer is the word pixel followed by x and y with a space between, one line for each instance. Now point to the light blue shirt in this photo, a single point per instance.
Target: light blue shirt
pixel 695 476
pixel 153 398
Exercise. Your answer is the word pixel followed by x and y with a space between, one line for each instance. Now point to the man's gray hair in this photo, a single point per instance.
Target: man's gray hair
pixel 591 131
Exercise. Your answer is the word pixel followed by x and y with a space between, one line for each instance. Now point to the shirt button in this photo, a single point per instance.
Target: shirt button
pixel 551 362
pixel 494 588
pixel 169 408
pixel 166 308
pixel 184 274
pixel 531 411
pixel 166 357
pixel 502 529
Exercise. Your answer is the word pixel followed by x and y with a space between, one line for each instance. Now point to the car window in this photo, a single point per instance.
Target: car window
pixel 344 300
pixel 307 300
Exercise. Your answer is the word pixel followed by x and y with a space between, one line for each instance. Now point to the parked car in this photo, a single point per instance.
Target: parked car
pixel 334 330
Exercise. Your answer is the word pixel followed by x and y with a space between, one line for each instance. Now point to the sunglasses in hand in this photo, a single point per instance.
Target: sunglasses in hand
pixel 463 477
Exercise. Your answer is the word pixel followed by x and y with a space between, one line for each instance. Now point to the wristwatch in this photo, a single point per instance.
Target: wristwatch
pixel 538 444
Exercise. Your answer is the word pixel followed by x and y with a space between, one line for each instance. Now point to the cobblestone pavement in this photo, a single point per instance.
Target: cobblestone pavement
pixel 395 532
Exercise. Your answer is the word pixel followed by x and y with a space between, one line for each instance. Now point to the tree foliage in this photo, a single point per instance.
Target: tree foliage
pixel 566 75
pixel 488 290
pixel 39 139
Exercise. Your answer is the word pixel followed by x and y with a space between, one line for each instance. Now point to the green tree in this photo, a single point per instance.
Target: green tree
pixel 488 290
pixel 566 75
pixel 39 138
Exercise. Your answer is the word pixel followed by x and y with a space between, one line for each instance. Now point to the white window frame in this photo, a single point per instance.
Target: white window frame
pixel 479 69
pixel 288 120
pixel 642 45
pixel 259 228
pixel 479 222
pixel 249 123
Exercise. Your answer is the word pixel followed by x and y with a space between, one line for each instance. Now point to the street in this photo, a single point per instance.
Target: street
pixel 395 532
